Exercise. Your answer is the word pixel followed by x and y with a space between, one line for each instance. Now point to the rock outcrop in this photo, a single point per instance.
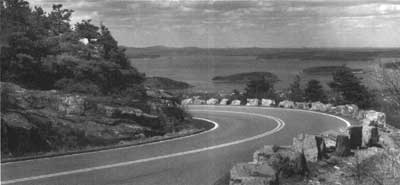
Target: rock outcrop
pixel 34 121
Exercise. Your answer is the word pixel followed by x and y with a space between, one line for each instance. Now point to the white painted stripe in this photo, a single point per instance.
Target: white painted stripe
pixel 348 124
pixel 280 125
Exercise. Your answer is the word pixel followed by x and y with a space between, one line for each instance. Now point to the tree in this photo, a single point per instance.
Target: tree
pixel 315 92
pixel 351 89
pixel 86 29
pixel 296 94
pixel 107 41
pixel 260 89
pixel 59 19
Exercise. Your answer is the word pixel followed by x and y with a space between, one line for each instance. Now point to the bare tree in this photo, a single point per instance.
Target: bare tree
pixel 388 77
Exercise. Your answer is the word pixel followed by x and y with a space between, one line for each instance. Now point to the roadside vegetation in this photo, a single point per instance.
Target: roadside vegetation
pixel 71 87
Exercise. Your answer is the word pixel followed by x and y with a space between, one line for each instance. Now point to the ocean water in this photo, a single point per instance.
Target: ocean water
pixel 200 69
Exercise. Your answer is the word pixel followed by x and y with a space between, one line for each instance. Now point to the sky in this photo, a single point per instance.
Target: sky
pixel 252 23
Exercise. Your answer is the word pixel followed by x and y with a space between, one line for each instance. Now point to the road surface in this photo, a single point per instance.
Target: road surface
pixel 198 159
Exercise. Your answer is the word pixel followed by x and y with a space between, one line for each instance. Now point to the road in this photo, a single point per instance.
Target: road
pixel 199 159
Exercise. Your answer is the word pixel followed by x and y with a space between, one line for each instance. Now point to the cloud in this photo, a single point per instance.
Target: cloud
pixel 274 22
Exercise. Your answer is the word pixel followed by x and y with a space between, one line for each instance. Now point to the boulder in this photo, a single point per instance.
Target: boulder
pixel 235 102
pixel 267 102
pixel 252 102
pixel 387 142
pixel 369 152
pixel 212 101
pixel 71 104
pixel 374 118
pixel 370 136
pixel 321 146
pixel 253 174
pixel 282 159
pixel 318 106
pixel 332 109
pixel 352 110
pixel 342 146
pixel 360 115
pixel 286 104
pixel 356 135
pixel 224 101
pixel 330 138
pixel 265 153
pixel 199 102
pixel 303 105
pixel 84 41
pixel 187 101
pixel 307 144
pixel 340 110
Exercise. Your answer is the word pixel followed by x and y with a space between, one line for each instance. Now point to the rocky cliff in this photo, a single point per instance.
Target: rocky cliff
pixel 34 121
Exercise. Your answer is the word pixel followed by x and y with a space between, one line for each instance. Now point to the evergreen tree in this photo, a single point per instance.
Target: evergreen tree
pixel 315 92
pixel 107 42
pixel 260 89
pixel 351 89
pixel 86 29
pixel 296 94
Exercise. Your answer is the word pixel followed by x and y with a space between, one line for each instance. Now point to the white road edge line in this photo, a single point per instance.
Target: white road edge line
pixel 120 148
pixel 348 124
pixel 280 125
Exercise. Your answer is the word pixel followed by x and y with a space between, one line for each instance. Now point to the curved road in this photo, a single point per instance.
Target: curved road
pixel 198 159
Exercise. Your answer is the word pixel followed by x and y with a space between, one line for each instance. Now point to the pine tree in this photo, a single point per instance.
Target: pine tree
pixel 351 89
pixel 315 92
pixel 296 94
pixel 260 89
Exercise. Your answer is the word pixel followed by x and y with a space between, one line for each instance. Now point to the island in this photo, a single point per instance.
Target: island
pixel 246 77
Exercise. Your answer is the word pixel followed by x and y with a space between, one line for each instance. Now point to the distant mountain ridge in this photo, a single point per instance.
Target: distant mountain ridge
pixel 333 54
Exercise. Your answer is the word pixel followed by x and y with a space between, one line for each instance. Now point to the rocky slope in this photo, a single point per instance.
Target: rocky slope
pixel 34 121
pixel 365 153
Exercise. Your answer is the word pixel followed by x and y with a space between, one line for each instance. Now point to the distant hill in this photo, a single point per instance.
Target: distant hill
pixel 330 54
pixel 327 70
pixel 165 83
pixel 246 77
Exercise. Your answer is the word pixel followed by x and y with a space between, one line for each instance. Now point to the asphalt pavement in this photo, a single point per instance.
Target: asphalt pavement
pixel 199 159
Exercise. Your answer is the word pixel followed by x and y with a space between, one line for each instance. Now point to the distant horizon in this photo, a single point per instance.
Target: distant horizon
pixel 257 47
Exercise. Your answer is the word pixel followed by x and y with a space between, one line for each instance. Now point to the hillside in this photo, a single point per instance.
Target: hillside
pixel 67 88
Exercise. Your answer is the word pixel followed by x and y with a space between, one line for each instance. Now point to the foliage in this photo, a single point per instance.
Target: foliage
pixel 42 51
pixel 315 92
pixel 351 89
pixel 296 93
pixel 260 89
